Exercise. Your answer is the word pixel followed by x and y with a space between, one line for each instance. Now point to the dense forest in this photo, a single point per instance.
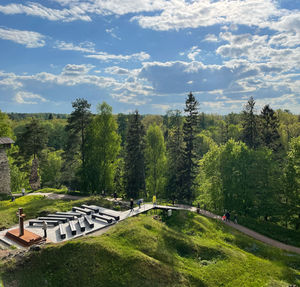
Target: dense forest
pixel 248 163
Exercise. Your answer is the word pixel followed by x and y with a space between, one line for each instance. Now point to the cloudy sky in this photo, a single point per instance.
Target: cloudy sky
pixel 149 54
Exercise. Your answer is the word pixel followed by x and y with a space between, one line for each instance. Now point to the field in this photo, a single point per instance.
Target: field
pixel 184 250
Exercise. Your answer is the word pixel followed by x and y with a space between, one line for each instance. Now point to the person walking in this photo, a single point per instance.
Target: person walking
pixel 115 195
pixel 131 204
pixel 235 219
pixel 45 226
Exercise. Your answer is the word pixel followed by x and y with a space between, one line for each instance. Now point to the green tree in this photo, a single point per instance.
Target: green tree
pixel 5 126
pixel 101 149
pixel 50 167
pixel 74 152
pixel 174 154
pixel 77 125
pixel 269 124
pixel 33 140
pixel 188 172
pixel 134 175
pixel 155 155
pixel 250 125
pixel 291 185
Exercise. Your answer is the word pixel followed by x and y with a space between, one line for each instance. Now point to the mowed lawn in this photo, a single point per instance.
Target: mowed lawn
pixel 184 250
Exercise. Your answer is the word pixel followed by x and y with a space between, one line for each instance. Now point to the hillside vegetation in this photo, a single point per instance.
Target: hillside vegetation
pixel 183 250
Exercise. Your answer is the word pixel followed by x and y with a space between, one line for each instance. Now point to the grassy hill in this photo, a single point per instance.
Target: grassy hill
pixel 184 250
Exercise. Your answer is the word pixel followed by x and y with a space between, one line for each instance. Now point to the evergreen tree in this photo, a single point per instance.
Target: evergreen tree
pixel 101 150
pixel 134 175
pixel 77 125
pixel 174 155
pixel 31 142
pixel 74 155
pixel 250 125
pixel 188 171
pixel 269 124
pixel 155 155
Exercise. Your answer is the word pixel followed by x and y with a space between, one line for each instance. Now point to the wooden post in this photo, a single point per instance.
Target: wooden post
pixel 21 221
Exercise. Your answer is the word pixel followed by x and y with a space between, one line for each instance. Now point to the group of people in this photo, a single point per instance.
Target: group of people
pixel 226 217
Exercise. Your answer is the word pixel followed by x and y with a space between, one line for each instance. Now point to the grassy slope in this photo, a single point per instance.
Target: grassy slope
pixel 272 230
pixel 35 205
pixel 187 250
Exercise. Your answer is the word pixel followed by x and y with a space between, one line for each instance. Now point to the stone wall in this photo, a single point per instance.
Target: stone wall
pixel 4 172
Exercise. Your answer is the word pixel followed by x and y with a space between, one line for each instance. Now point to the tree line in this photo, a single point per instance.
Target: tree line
pixel 248 162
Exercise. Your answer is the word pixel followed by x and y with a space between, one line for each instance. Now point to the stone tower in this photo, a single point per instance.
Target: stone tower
pixel 4 166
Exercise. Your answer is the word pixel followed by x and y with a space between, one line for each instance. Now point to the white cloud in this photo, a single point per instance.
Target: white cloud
pixel 103 56
pixel 25 97
pixel 112 33
pixel 178 14
pixel 35 9
pixel 27 38
pixel 76 70
pixel 193 53
pixel 115 70
pixel 85 47
pixel 211 38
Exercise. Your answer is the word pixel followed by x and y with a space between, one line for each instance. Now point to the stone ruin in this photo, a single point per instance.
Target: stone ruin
pixel 4 166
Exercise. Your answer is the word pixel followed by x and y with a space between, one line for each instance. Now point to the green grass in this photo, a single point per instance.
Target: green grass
pixel 38 205
pixel 272 230
pixel 185 250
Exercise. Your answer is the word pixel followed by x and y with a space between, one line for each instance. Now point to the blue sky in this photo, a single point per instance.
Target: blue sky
pixel 149 54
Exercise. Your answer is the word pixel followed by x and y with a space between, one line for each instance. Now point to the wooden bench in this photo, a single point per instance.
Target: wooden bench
pixel 81 224
pixel 72 227
pixel 50 222
pixel 89 221
pixel 77 214
pixel 83 210
pixel 102 217
pixel 62 231
pixel 62 219
pixel 95 209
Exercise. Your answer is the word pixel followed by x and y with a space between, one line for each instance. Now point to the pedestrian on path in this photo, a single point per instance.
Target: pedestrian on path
pixel 45 226
pixel 131 204
pixel 115 196
pixel 227 214
pixel 235 219
pixel 198 208
pixel 23 191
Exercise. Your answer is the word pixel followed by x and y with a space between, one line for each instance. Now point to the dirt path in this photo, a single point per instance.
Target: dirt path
pixel 245 230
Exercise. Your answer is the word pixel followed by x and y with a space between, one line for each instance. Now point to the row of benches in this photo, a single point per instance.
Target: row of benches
pixel 77 212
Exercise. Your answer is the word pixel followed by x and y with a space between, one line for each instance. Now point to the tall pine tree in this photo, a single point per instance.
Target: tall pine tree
pixel 134 175
pixel 174 155
pixel 269 124
pixel 250 125
pixel 74 155
pixel 188 171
